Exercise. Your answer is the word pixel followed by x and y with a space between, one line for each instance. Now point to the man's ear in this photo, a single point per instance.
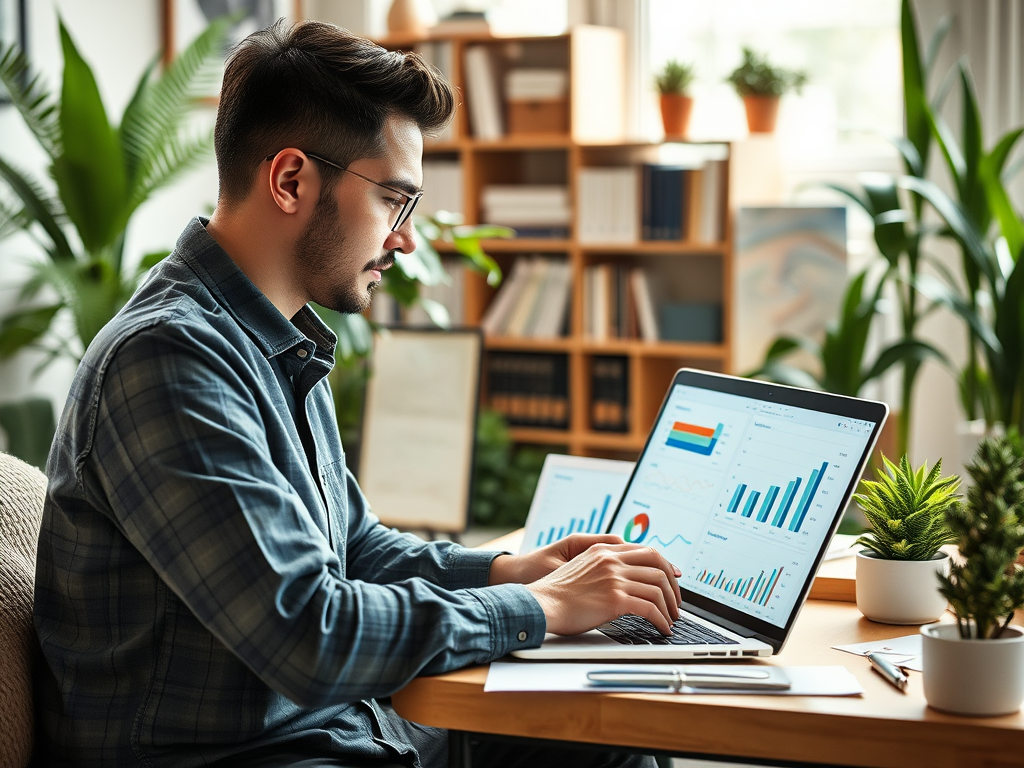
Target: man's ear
pixel 294 182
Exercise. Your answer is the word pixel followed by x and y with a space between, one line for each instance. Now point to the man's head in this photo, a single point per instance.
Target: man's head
pixel 322 130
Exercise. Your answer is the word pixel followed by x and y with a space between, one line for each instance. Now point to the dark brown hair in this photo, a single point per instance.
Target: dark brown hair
pixel 321 89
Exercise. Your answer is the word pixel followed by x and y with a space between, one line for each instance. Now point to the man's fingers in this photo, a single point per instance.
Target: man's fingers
pixel 646 556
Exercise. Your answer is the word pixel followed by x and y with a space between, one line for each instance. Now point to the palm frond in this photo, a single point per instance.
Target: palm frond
pixel 31 97
pixel 39 207
pixel 12 219
pixel 154 116
pixel 174 157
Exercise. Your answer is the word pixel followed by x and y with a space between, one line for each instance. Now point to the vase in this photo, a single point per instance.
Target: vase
pixel 900 591
pixel 762 113
pixel 404 18
pixel 675 113
pixel 972 677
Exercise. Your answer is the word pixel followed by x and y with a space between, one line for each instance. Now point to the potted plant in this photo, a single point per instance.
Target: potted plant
pixel 672 83
pixel 761 85
pixel 906 511
pixel 976 666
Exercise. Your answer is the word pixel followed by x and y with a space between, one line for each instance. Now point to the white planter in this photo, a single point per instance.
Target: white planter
pixel 900 591
pixel 973 677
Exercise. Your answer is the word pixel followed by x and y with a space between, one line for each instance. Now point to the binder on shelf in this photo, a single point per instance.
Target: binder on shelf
pixel 609 394
pixel 646 316
pixel 529 390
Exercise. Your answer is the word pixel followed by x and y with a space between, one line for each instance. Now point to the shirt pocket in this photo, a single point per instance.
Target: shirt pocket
pixel 334 481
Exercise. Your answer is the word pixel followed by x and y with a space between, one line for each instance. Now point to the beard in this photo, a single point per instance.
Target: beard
pixel 318 253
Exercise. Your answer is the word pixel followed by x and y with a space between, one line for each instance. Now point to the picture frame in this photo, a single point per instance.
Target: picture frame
pixel 13 29
pixel 183 20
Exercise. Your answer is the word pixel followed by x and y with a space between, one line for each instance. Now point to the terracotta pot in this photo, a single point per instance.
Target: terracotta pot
pixel 762 112
pixel 675 113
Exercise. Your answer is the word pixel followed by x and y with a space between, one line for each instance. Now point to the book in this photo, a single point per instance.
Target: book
pixel 485 115
pixel 549 319
pixel 528 389
pixel 646 316
pixel 442 185
pixel 527 299
pixel 496 317
pixel 609 398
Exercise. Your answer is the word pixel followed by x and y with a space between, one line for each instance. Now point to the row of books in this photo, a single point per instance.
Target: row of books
pixel 652 202
pixel 533 210
pixel 529 390
pixel 384 309
pixel 442 182
pixel 533 301
pixel 609 394
pixel 617 303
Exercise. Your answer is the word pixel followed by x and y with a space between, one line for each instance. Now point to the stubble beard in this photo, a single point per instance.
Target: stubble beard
pixel 318 251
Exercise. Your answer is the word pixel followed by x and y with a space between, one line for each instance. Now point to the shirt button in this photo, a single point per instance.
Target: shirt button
pixel 522 636
pixel 302 353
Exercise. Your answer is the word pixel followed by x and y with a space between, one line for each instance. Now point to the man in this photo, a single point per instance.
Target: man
pixel 211 584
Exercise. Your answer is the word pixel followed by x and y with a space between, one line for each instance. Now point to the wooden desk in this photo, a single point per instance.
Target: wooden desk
pixel 881 728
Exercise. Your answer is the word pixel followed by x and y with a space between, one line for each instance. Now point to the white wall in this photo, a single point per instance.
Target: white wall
pixel 118 38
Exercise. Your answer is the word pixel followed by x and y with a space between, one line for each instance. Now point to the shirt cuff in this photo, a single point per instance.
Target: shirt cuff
pixel 468 568
pixel 516 618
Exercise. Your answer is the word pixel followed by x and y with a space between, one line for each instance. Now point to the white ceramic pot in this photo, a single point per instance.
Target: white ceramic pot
pixel 973 677
pixel 900 591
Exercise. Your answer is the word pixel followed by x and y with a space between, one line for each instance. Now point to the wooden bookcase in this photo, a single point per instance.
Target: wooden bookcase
pixel 594 59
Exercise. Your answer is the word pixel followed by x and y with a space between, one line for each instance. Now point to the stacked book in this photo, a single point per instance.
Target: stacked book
pixel 442 185
pixel 533 210
pixel 609 394
pixel 438 54
pixel 529 390
pixel 536 84
pixel 485 116
pixel 652 202
pixel 533 302
pixel 617 303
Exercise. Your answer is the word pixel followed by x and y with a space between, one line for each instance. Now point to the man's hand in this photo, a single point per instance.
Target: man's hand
pixel 582 581
pixel 523 569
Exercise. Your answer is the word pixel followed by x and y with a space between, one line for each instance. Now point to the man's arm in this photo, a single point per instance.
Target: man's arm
pixel 180 462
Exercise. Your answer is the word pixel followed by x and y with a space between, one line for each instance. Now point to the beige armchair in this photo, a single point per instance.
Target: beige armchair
pixel 22 489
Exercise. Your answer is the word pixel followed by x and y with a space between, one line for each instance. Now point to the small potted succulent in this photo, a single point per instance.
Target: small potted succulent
pixel 976 665
pixel 673 83
pixel 761 85
pixel 906 513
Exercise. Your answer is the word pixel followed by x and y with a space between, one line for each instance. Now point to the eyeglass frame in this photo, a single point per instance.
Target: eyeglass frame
pixel 404 214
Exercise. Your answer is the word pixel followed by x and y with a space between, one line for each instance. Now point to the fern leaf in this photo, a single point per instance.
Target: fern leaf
pixel 39 207
pixel 31 97
pixel 174 158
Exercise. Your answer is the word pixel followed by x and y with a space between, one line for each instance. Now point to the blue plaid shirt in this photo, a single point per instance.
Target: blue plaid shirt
pixel 210 578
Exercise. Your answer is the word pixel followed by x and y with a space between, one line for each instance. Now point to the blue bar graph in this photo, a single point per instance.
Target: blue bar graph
pixel 787 500
pixel 595 524
pixel 751 501
pixel 808 497
pixel 735 503
pixel 769 500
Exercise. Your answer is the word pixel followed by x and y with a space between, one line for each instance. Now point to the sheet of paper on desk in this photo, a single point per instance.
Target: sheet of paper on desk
pixel 902 651
pixel 572 677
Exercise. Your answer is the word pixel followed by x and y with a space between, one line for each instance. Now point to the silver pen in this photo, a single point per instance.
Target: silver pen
pixel 674 679
pixel 893 674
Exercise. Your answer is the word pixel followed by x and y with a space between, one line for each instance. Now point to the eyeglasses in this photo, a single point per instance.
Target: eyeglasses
pixel 408 201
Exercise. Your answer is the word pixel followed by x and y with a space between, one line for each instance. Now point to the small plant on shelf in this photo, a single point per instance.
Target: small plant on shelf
pixel 986 586
pixel 906 510
pixel 673 84
pixel 674 77
pixel 761 85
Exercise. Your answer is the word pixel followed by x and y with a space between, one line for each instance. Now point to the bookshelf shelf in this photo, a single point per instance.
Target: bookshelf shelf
pixel 488 156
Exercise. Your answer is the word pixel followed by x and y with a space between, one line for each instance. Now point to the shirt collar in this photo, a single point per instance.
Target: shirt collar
pixel 272 332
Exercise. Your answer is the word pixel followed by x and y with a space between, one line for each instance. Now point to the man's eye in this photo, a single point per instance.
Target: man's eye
pixel 394 202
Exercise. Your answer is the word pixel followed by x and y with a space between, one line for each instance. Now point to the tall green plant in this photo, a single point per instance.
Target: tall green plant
pixel 100 173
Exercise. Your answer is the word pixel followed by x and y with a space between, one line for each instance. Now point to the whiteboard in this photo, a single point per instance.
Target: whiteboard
pixel 419 428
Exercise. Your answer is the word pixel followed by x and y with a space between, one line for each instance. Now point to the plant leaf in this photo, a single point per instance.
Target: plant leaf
pixel 914 98
pixel 40 208
pixel 90 172
pixel 32 99
pixel 24 327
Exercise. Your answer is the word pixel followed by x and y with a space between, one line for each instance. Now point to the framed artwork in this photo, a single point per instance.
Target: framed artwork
pixel 790 276
pixel 13 29
pixel 183 20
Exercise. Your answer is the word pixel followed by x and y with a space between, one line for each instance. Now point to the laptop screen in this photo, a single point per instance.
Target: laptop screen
pixel 741 490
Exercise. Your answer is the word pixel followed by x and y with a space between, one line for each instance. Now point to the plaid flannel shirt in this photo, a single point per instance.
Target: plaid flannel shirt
pixel 200 591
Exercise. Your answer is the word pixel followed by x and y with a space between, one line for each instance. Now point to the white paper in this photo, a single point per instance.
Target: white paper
pixel 903 651
pixel 572 677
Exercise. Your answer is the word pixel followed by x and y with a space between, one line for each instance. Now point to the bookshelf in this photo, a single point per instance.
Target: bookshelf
pixel 489 155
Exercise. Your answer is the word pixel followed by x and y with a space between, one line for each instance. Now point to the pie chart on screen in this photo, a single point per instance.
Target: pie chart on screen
pixel 636 529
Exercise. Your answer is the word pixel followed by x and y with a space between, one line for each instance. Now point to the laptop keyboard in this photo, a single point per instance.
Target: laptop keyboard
pixel 636 630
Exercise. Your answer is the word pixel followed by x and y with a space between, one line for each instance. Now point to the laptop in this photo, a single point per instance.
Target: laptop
pixel 741 485
pixel 575 494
